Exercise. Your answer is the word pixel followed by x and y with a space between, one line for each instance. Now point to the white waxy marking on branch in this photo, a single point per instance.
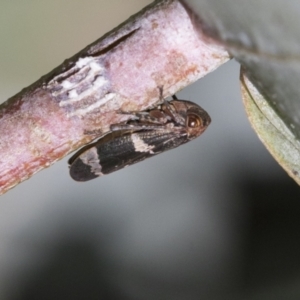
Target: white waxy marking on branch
pixel 83 61
pixel 73 94
pixel 140 145
pixel 102 101
pixel 67 84
pixel 85 80
pixel 99 83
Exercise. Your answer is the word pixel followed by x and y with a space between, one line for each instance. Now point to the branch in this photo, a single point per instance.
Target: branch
pixel 162 45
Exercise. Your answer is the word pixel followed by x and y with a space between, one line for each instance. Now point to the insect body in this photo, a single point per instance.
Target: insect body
pixel 157 130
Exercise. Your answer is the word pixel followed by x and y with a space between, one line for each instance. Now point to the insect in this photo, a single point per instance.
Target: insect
pixel 157 130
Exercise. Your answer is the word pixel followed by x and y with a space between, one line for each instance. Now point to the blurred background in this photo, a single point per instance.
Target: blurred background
pixel 214 219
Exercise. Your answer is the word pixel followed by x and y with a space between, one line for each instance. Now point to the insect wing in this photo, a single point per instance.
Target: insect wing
pixel 116 152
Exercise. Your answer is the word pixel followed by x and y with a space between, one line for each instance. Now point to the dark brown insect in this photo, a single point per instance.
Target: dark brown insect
pixel 165 127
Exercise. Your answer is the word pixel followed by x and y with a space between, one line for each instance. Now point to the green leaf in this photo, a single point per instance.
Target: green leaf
pixel 264 37
pixel 272 131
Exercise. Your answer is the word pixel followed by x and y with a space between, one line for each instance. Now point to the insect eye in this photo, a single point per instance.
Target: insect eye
pixel 193 121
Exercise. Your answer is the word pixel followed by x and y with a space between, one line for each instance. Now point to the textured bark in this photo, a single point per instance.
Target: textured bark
pixel 162 45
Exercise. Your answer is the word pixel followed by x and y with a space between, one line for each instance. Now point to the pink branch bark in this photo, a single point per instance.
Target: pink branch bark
pixel 162 45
